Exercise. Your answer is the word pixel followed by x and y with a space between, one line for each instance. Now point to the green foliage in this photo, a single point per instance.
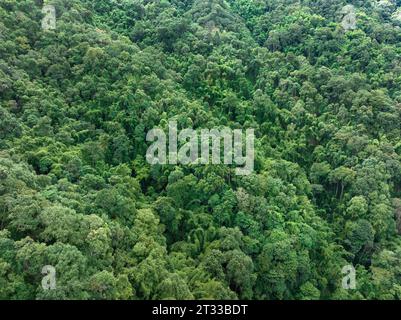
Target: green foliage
pixel 76 191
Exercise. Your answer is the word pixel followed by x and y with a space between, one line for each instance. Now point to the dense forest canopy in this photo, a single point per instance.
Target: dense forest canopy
pixel 76 192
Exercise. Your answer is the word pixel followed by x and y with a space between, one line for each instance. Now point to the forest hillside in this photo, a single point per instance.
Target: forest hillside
pixel 319 81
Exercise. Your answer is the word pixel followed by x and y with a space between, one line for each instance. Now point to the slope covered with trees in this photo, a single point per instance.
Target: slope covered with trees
pixel 77 193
